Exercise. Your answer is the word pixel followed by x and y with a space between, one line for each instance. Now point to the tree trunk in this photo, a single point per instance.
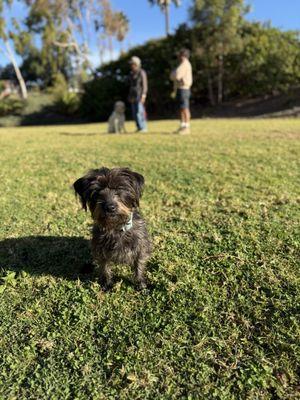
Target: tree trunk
pixel 110 47
pixel 17 71
pixel 210 90
pixel 220 79
pixel 167 19
pixel 101 56
pixel 122 47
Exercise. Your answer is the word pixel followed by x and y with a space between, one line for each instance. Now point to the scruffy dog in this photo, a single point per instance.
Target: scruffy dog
pixel 116 122
pixel 119 232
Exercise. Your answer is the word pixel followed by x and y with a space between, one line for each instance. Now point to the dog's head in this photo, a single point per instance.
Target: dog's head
pixel 119 107
pixel 110 194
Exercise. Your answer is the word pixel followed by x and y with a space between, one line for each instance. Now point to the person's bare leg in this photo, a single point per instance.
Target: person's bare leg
pixel 186 117
pixel 182 116
pixel 182 119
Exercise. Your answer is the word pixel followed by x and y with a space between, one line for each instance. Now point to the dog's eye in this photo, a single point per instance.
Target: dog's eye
pixel 95 196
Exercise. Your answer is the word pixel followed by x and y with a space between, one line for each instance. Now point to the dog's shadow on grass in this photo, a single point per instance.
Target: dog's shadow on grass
pixel 58 256
pixel 46 255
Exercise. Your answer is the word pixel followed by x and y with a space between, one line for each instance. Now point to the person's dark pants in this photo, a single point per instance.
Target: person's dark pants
pixel 183 98
pixel 138 114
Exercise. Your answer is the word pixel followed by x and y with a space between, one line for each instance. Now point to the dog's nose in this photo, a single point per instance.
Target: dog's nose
pixel 110 207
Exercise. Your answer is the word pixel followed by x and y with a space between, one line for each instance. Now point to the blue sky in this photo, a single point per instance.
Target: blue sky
pixel 147 22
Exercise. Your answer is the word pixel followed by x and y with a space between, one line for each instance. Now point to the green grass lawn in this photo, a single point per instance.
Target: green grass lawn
pixel 222 318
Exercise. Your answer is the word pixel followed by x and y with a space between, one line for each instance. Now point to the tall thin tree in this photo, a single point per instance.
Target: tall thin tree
pixel 6 38
pixel 220 24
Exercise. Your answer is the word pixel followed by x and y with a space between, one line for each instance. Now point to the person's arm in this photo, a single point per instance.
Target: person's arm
pixel 145 86
pixel 173 75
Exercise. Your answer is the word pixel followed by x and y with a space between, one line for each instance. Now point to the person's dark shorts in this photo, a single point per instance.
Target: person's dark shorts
pixel 183 98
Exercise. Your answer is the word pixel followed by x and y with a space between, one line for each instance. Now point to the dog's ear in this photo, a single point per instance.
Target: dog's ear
pixel 81 188
pixel 84 186
pixel 138 184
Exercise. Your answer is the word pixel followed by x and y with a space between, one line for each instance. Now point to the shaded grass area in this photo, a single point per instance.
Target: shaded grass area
pixel 222 317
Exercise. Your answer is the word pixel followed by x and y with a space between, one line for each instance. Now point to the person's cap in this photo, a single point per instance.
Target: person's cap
pixel 135 60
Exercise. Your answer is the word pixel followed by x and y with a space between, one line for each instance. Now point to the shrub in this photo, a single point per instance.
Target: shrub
pixel 11 106
pixel 100 95
pixel 59 86
pixel 67 103
pixel 267 62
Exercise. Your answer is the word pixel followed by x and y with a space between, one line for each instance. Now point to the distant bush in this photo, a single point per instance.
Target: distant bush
pixel 268 62
pixel 59 86
pixel 65 102
pixel 100 95
pixel 11 106
pixel 2 85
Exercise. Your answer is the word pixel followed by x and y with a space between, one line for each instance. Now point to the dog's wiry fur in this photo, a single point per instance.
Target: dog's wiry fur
pixel 112 196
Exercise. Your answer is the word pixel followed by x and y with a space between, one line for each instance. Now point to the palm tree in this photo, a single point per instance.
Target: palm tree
pixel 165 8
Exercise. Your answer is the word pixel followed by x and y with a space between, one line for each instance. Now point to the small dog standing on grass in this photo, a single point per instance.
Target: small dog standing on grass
pixel 116 122
pixel 119 233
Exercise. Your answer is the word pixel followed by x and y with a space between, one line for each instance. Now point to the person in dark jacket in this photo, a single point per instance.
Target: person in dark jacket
pixel 138 93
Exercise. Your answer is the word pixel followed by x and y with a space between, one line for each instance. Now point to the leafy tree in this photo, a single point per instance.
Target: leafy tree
pixel 63 47
pixel 7 72
pixel 122 26
pixel 32 66
pixel 68 28
pixel 165 8
pixel 220 23
pixel 8 26
pixel 113 24
pixel 268 63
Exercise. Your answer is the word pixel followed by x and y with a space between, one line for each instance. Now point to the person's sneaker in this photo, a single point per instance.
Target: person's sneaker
pixel 143 130
pixel 184 131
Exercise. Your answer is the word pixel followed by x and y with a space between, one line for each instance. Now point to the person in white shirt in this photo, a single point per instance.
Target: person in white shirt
pixel 183 80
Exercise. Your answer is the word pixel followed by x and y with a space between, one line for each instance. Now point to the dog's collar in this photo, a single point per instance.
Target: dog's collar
pixel 128 224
